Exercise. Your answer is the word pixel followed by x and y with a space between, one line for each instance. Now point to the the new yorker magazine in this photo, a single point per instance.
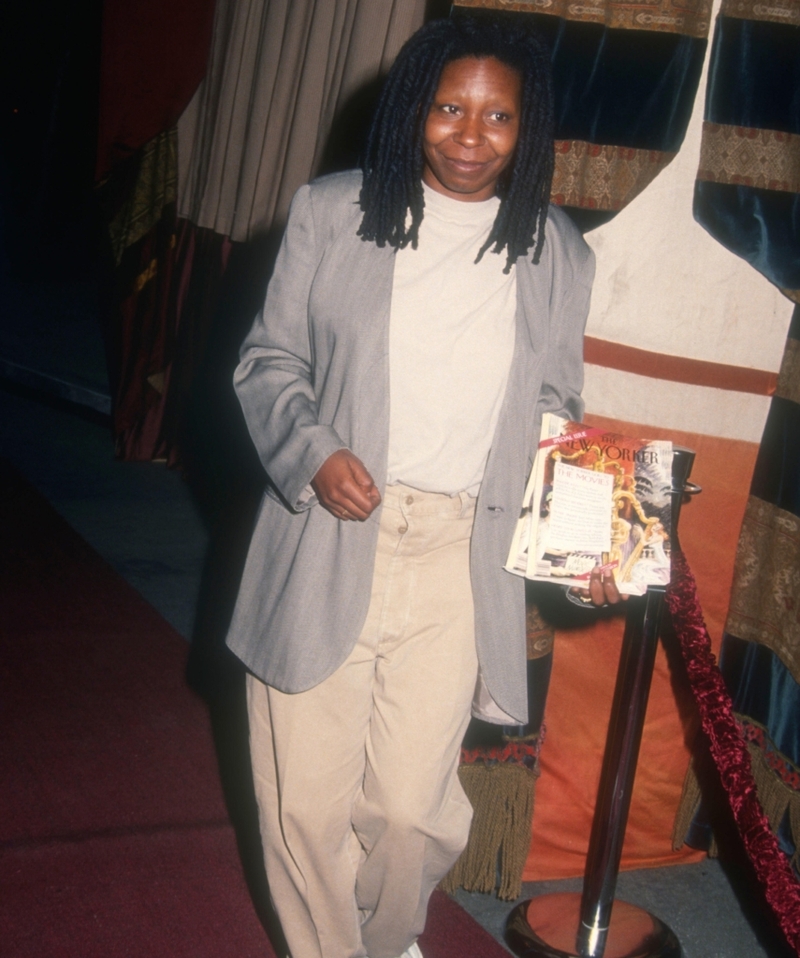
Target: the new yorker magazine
pixel 595 498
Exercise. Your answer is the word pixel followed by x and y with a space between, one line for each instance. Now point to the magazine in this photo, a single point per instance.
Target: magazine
pixel 595 498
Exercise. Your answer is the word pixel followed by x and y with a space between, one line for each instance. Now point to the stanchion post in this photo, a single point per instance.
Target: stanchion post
pixel 637 658
pixel 593 924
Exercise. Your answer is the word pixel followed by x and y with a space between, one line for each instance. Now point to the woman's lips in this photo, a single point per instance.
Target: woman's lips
pixel 464 166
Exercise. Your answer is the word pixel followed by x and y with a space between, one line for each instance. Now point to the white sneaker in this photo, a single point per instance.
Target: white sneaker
pixel 413 951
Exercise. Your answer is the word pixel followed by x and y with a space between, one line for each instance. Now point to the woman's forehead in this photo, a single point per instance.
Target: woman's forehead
pixel 488 71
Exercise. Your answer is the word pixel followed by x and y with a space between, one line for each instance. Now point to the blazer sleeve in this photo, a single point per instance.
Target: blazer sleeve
pixel 573 274
pixel 274 380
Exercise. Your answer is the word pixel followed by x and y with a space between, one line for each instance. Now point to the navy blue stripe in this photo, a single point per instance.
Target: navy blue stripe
pixel 754 75
pixel 762 687
pixel 761 226
pixel 776 478
pixel 622 87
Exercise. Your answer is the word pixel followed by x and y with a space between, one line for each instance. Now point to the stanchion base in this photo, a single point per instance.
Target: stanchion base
pixel 547 927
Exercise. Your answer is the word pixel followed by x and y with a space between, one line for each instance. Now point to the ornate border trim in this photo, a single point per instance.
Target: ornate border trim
pixel 765 596
pixel 602 177
pixel 772 11
pixel 689 17
pixel 745 156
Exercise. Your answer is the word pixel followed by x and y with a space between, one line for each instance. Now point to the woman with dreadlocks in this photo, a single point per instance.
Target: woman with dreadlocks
pixel 424 312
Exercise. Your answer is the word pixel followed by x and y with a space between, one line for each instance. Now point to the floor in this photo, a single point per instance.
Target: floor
pixel 142 518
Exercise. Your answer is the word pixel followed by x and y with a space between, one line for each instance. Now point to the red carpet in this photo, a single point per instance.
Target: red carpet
pixel 114 836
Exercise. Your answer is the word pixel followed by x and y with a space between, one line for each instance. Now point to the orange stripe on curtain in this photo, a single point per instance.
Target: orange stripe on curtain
pixel 678 369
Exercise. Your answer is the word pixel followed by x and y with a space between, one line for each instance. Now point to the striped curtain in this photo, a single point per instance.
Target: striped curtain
pixel 748 197
pixel 625 77
pixel 684 342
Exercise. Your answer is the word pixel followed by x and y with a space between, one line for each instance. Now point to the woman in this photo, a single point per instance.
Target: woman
pixel 421 318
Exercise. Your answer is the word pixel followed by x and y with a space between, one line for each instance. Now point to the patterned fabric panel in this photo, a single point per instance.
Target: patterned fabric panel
pixel 765 601
pixel 771 11
pixel 690 17
pixel 769 159
pixel 602 177
pixel 154 187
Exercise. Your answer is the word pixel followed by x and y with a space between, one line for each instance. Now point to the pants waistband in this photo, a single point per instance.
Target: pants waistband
pixel 415 502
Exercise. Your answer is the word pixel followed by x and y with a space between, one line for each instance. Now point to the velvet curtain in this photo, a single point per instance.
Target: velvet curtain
pixel 625 76
pixel 748 185
pixel 748 197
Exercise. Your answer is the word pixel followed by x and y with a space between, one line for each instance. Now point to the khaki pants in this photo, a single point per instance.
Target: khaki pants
pixel 360 805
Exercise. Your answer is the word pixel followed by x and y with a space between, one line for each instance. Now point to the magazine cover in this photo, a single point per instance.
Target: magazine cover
pixel 595 498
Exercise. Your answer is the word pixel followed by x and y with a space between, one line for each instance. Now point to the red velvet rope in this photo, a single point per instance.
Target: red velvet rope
pixel 729 751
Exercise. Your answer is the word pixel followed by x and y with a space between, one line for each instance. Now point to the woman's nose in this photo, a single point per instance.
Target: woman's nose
pixel 470 132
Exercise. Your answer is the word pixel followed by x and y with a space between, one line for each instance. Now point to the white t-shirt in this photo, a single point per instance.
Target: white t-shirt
pixel 451 341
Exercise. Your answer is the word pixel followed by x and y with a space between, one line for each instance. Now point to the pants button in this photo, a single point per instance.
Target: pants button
pixel 402 529
pixel 409 500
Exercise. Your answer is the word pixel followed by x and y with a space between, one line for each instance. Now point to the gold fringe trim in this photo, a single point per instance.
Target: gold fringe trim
pixel 690 17
pixel 502 798
pixel 776 798
pixel 774 795
pixel 687 809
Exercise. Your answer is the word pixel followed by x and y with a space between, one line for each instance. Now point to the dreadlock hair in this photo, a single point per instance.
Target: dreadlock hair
pixel 393 159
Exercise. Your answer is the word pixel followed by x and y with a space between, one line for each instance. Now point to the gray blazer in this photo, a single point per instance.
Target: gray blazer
pixel 314 378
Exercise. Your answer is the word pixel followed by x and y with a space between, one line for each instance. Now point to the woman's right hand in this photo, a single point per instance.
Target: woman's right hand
pixel 345 488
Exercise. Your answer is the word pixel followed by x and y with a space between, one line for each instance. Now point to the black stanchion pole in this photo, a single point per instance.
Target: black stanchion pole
pixel 594 924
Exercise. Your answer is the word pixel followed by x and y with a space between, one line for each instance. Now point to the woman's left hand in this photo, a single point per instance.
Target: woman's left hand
pixel 602 589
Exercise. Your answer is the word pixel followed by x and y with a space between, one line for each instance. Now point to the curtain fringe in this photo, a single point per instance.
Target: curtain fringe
pixel 776 797
pixel 502 798
pixel 688 807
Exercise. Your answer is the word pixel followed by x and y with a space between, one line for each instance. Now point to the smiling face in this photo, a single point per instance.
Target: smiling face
pixel 472 128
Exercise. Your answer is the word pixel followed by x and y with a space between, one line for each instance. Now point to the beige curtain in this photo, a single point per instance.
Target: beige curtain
pixel 278 72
